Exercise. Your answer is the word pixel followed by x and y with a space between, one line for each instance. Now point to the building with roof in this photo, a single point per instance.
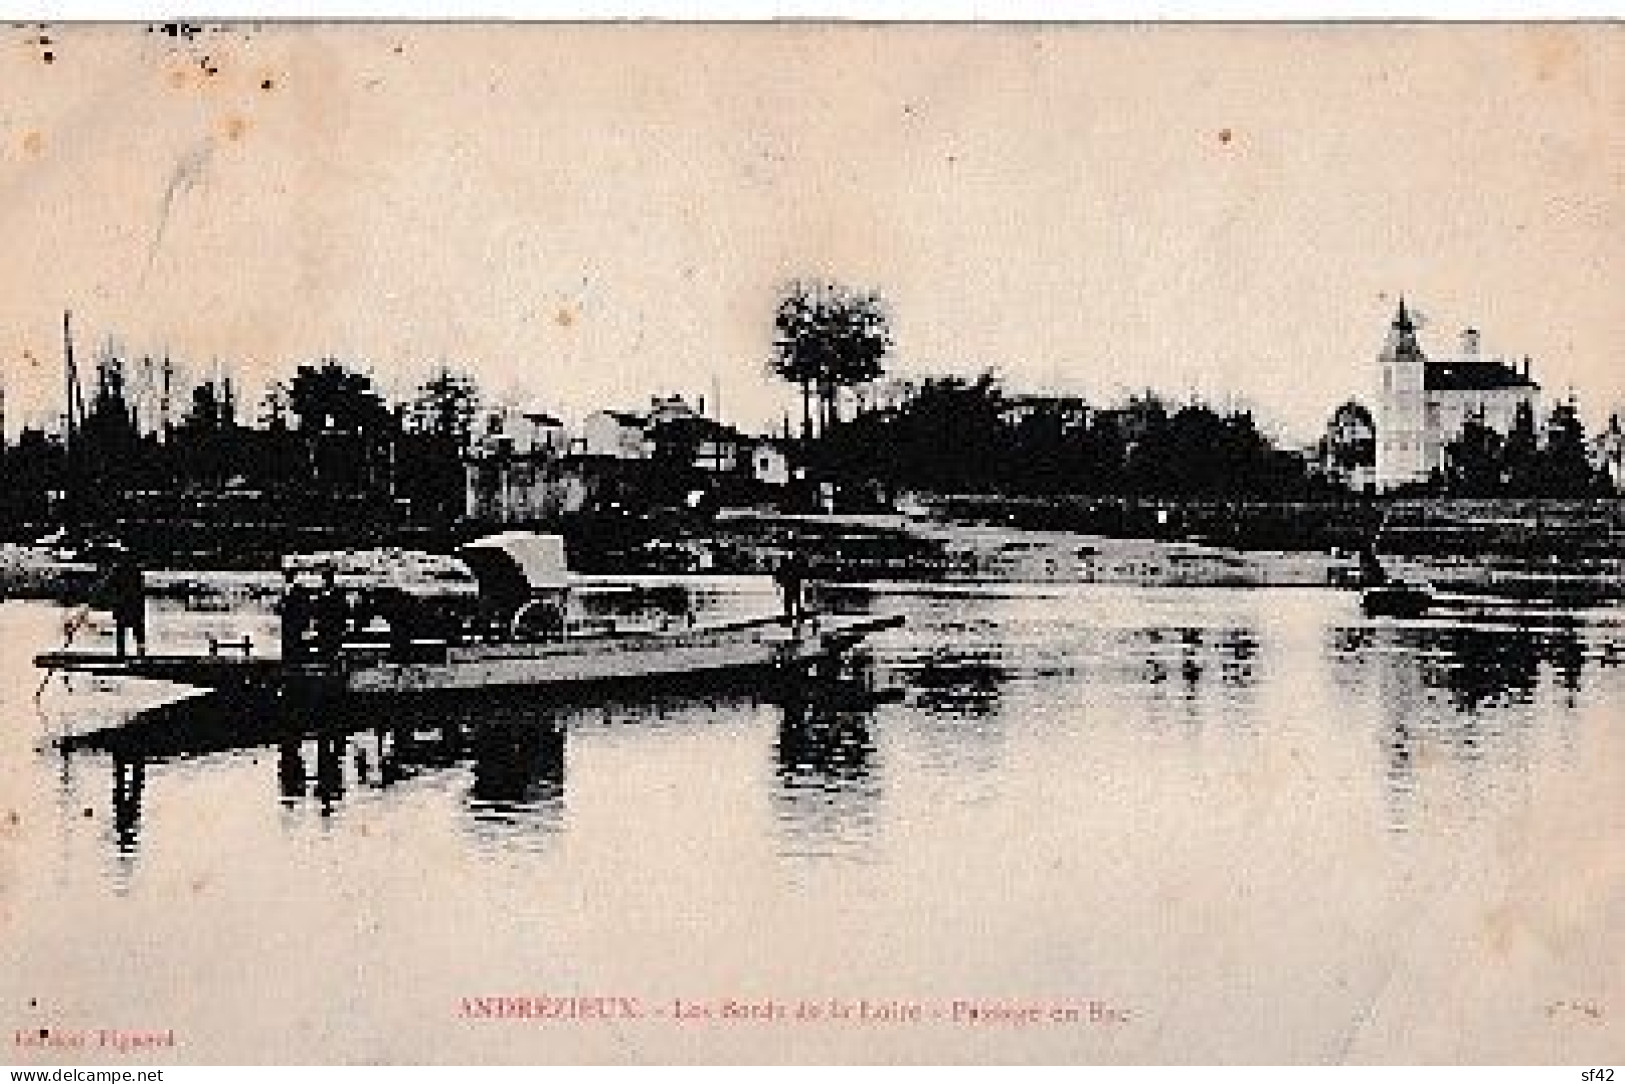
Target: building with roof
pixel 538 473
pixel 1424 402
pixel 615 434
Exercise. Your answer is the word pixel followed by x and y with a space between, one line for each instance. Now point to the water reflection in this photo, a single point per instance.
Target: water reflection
pixel 1197 675
pixel 513 755
pixel 1476 668
pixel 983 682
pixel 828 788
pixel 518 777
pixel 1457 700
pixel 504 755
pixel 957 685
pixel 129 780
pixel 1187 658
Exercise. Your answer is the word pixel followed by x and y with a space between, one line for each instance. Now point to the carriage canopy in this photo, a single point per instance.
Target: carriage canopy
pixel 515 566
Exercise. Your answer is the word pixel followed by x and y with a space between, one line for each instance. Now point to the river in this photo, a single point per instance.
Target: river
pixel 1085 822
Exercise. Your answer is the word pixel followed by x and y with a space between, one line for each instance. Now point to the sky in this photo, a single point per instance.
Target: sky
pixel 583 216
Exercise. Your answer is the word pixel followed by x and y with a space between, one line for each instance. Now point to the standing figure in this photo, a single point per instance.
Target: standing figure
pixel 1372 574
pixel 128 593
pixel 331 615
pixel 791 579
pixel 296 616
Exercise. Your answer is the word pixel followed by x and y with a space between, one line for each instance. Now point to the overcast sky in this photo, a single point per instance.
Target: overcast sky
pixel 584 216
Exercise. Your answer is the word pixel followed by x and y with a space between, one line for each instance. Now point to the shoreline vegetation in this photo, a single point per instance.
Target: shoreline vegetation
pixel 930 477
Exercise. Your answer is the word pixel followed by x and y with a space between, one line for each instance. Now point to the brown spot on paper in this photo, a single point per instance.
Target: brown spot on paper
pixel 1555 51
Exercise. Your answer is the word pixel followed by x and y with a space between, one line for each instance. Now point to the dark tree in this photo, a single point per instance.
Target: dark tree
pixel 1521 456
pixel 445 407
pixel 110 457
pixel 34 467
pixel 213 409
pixel 328 396
pixel 1473 461
pixel 346 435
pixel 1566 469
pixel 828 338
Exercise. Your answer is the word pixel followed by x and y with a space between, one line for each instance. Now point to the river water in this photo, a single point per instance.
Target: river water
pixel 1080 823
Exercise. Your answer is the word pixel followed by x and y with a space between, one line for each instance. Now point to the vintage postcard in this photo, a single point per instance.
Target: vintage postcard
pixel 811 543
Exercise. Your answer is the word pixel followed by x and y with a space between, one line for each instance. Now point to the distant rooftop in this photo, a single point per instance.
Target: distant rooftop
pixel 1458 375
pixel 701 428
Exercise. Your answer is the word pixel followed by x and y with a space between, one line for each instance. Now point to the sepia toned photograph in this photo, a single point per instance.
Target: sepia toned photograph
pixel 813 542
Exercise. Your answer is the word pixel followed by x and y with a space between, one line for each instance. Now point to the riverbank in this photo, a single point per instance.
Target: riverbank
pixel 839 549
pixel 1524 527
pixel 896 546
pixel 958 539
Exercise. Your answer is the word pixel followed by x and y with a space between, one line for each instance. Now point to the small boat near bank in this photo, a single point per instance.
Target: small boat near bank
pixel 1386 595
pixel 515 634
pixel 1397 599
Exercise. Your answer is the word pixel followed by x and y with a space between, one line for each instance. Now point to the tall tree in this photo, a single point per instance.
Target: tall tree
pixel 445 407
pixel 440 421
pixel 331 396
pixel 109 449
pixel 346 433
pixel 1520 454
pixel 212 408
pixel 206 444
pixel 829 338
pixel 1473 461
pixel 1566 469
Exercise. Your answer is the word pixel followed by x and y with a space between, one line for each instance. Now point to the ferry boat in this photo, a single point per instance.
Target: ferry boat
pixel 515 636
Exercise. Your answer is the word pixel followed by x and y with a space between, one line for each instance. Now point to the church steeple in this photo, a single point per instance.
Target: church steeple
pixel 1402 319
pixel 1402 344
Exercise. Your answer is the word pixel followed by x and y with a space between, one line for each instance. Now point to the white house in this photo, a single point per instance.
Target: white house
pixel 615 434
pixel 1424 402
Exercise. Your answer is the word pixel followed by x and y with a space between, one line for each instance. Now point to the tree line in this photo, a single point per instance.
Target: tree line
pixel 951 434
pixel 956 434
pixel 1524 462
pixel 325 441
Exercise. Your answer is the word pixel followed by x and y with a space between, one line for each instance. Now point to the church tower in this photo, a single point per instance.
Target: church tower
pixel 1402 408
